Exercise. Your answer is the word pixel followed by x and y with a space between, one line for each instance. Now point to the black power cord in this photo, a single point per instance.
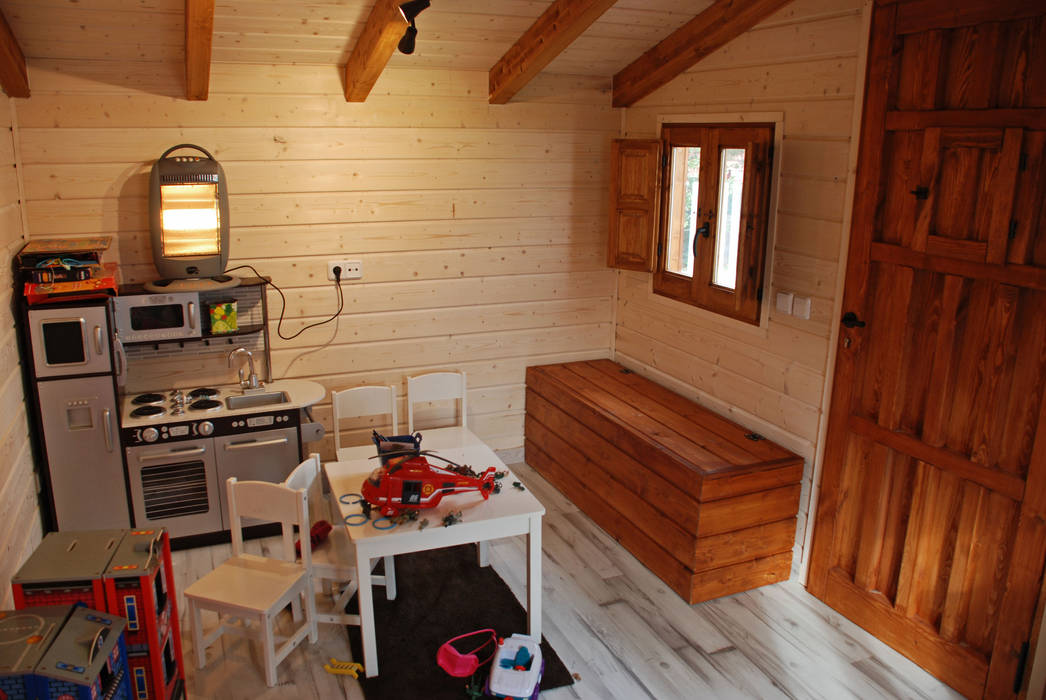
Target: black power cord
pixel 283 308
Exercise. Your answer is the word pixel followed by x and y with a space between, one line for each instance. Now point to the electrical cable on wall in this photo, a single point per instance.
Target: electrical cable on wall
pixel 283 308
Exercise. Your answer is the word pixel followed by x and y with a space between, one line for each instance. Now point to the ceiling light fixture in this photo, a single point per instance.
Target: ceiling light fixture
pixel 410 10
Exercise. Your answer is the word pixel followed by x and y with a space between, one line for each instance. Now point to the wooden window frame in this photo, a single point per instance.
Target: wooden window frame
pixel 744 302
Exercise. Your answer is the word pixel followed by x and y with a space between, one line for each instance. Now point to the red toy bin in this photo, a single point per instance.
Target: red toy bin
pixel 139 585
pixel 67 567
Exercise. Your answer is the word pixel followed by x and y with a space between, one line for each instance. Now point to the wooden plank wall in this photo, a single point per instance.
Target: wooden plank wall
pixel 18 501
pixel 803 61
pixel 481 228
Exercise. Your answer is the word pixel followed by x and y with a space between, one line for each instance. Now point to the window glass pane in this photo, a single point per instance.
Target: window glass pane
pixel 728 226
pixel 686 166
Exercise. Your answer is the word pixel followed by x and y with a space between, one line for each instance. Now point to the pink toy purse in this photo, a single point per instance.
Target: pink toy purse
pixel 461 665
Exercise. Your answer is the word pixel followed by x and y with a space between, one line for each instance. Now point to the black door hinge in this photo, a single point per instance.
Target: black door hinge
pixel 759 294
pixel 1013 229
pixel 659 250
pixel 1022 661
pixel 664 160
pixel 1022 162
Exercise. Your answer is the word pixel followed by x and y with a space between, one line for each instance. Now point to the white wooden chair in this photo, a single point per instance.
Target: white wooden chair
pixel 334 559
pixel 436 386
pixel 249 591
pixel 362 401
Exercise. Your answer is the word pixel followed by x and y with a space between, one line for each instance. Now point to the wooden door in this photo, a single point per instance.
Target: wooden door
pixel 931 524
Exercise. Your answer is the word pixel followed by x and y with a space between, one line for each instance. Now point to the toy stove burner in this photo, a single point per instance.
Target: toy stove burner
pixel 204 392
pixel 147 412
pixel 205 405
pixel 147 399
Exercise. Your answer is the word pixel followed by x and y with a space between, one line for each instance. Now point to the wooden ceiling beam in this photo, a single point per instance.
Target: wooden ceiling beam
pixel 199 34
pixel 382 33
pixel 14 77
pixel 722 22
pixel 552 32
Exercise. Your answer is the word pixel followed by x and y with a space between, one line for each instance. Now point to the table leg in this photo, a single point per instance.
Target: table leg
pixel 366 600
pixel 534 578
pixel 483 550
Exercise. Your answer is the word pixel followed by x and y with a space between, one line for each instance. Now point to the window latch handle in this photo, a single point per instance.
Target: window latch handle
pixel 702 231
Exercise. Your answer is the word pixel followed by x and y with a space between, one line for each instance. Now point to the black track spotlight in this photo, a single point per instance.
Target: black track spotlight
pixel 407 42
pixel 410 10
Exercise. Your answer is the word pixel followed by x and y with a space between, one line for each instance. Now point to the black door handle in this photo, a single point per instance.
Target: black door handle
pixel 704 230
pixel 850 320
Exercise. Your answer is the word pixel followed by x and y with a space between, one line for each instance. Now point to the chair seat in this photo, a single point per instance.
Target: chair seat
pixel 248 583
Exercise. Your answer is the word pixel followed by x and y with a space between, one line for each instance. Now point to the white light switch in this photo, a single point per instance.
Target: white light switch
pixel 784 302
pixel 801 307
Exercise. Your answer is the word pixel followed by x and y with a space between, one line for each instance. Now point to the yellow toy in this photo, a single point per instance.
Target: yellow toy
pixel 343 668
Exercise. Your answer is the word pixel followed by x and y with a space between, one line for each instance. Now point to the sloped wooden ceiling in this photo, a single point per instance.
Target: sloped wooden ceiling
pixel 556 28
pixel 514 40
pixel 710 30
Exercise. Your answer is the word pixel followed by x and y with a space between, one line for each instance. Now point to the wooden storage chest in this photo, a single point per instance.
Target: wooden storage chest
pixel 705 504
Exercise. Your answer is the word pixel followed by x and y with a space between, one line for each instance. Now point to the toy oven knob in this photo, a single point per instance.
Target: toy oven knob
pixel 150 434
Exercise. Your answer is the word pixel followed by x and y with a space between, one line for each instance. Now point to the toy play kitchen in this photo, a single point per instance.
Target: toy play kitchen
pixel 137 419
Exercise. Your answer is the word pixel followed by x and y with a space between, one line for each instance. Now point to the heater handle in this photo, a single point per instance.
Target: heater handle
pixel 186 145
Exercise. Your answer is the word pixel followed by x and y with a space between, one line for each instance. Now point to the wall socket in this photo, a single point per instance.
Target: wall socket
pixel 350 269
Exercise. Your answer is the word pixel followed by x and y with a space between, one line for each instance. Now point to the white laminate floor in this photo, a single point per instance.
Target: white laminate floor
pixel 624 634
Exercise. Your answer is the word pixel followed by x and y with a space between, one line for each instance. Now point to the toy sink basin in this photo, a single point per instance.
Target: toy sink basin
pixel 508 682
pixel 269 398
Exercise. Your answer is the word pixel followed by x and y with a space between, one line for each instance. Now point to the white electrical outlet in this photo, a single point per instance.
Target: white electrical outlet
pixel 801 308
pixel 784 302
pixel 350 269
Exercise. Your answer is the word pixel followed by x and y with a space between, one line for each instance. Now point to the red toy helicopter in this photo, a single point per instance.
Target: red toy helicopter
pixel 406 480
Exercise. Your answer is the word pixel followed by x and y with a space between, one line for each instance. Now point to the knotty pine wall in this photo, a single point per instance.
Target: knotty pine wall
pixel 481 228
pixel 18 501
pixel 805 61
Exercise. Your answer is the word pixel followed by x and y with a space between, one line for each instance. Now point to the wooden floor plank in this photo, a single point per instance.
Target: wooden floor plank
pixel 614 624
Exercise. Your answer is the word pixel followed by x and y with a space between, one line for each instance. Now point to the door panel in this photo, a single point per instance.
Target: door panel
pixel 931 524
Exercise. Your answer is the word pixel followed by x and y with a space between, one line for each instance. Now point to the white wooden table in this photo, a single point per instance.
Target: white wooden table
pixel 511 512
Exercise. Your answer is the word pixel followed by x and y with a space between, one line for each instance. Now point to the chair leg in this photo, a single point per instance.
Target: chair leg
pixel 196 622
pixel 390 578
pixel 310 612
pixel 269 651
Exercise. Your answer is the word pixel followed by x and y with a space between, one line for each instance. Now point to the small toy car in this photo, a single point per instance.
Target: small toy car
pixel 516 669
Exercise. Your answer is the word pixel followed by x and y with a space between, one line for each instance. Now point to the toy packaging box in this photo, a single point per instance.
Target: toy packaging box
pixel 123 572
pixel 63 652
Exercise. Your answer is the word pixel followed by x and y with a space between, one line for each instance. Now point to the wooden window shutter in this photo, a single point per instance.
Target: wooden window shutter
pixel 633 203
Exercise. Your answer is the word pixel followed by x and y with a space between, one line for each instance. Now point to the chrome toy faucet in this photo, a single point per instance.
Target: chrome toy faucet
pixel 251 382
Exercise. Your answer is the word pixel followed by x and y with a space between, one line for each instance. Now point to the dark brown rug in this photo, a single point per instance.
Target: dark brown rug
pixel 441 593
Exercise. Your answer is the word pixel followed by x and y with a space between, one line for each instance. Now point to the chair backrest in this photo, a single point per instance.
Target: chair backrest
pixel 436 386
pixel 267 501
pixel 363 401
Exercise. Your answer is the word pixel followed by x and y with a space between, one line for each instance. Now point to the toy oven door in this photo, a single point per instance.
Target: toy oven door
pixel 175 486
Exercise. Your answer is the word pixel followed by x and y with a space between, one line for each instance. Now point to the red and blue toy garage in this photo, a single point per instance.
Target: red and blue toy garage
pixel 123 572
pixel 65 652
